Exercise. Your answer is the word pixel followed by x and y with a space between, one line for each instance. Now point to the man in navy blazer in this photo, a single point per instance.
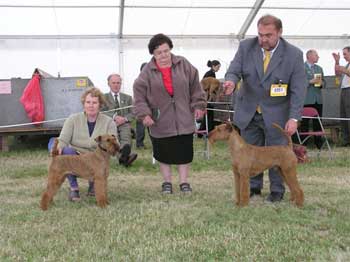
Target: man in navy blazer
pixel 272 91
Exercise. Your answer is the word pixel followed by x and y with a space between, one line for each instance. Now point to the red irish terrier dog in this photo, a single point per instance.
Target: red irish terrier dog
pixel 211 87
pixel 249 160
pixel 92 165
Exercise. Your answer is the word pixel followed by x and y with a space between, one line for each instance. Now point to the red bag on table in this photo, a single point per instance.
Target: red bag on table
pixel 32 100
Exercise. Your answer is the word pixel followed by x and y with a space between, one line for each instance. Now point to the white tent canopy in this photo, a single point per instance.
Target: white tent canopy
pixel 96 38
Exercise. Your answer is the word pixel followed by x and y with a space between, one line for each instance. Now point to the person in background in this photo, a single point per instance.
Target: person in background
pixel 168 98
pixel 115 100
pixel 344 73
pixel 272 90
pixel 315 78
pixel 79 131
pixel 140 128
pixel 214 67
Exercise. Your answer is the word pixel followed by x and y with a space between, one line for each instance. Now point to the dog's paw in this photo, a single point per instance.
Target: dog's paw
pixel 45 201
pixel 102 203
pixel 43 207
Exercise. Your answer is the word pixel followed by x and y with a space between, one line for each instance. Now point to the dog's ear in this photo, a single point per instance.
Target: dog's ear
pixel 98 139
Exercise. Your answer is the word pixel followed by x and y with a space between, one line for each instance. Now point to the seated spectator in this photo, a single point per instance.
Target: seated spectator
pixel 115 100
pixel 79 131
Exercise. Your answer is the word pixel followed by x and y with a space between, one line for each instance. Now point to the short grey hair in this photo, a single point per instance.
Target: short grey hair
pixel 109 77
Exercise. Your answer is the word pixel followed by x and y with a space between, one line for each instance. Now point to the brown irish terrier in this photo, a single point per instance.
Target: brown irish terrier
pixel 211 87
pixel 92 165
pixel 249 160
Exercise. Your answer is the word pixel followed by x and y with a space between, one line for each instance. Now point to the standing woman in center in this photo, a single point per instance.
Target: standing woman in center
pixel 168 98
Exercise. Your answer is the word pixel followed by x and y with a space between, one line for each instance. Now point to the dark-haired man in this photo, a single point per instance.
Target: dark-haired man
pixel 272 91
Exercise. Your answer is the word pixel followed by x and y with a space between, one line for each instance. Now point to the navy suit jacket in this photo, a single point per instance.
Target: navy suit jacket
pixel 286 66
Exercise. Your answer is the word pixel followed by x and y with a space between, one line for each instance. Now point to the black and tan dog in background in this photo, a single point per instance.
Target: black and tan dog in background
pixel 211 87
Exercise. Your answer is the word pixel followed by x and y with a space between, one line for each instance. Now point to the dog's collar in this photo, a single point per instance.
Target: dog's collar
pixel 103 149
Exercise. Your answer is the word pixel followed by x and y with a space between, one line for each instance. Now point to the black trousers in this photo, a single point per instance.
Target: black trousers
pixel 211 123
pixel 140 133
pixel 345 113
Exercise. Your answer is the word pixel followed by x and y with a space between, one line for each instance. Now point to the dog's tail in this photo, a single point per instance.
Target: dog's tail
pixel 54 150
pixel 290 142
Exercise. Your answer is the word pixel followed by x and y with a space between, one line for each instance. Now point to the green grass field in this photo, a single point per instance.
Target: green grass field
pixel 141 224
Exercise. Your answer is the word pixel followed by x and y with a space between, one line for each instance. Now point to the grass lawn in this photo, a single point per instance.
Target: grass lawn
pixel 140 224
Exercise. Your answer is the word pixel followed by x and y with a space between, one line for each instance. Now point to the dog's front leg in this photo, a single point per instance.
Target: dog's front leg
pixel 236 186
pixel 244 189
pixel 106 186
pixel 100 191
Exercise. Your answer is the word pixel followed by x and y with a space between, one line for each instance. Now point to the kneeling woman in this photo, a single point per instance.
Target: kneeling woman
pixel 79 131
pixel 167 98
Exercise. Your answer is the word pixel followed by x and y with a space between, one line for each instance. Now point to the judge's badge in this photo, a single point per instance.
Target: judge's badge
pixel 278 90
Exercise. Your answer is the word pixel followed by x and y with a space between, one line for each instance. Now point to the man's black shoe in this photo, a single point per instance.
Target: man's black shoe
pixel 124 154
pixel 131 159
pixel 274 197
pixel 125 150
pixel 255 192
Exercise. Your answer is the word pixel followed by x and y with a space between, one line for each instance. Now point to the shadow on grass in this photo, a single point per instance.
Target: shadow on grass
pixel 28 142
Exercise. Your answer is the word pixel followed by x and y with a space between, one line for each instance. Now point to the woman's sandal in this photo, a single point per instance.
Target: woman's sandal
pixel 185 188
pixel 74 196
pixel 167 188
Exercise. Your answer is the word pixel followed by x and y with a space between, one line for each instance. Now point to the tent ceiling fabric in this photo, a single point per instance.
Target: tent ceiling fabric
pixel 182 18
pixel 94 38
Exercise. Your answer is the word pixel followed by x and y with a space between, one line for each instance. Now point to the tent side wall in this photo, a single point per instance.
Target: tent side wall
pixel 97 58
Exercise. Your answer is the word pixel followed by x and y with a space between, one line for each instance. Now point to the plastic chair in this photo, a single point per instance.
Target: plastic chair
pixel 310 112
pixel 204 133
